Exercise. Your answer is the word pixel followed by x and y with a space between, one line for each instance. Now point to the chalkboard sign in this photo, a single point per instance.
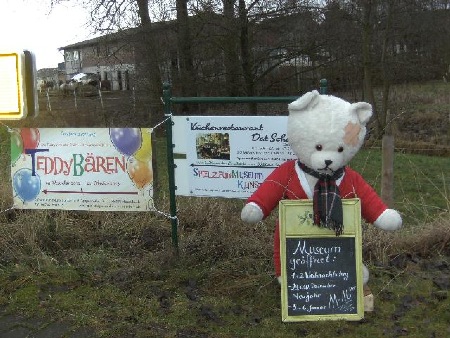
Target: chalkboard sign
pixel 321 272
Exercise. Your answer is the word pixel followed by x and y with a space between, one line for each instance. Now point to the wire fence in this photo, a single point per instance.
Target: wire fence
pixel 93 108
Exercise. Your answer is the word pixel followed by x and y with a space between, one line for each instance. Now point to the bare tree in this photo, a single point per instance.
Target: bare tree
pixel 108 14
pixel 188 78
pixel 118 15
pixel 230 45
pixel 256 47
pixel 245 45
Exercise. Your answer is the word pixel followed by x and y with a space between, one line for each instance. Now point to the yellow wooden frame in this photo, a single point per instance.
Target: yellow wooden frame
pixel 295 217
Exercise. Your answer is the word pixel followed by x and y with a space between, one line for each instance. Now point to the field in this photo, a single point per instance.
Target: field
pixel 118 274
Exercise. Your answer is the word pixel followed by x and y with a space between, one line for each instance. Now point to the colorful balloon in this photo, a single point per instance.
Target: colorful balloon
pixel 26 185
pixel 144 153
pixel 30 138
pixel 16 146
pixel 126 140
pixel 141 173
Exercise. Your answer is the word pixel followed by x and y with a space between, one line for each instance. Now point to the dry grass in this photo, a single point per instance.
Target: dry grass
pixel 421 240
pixel 420 115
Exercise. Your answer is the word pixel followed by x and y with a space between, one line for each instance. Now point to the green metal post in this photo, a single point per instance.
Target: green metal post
pixel 170 163
pixel 323 86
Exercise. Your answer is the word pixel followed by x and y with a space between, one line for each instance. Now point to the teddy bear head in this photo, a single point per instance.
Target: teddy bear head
pixel 325 131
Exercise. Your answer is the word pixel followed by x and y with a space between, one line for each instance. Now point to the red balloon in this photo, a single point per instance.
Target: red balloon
pixel 30 138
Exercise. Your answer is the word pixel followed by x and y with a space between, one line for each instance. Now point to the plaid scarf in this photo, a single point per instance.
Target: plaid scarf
pixel 327 204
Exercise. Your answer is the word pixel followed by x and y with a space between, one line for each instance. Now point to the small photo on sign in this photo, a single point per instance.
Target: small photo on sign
pixel 214 146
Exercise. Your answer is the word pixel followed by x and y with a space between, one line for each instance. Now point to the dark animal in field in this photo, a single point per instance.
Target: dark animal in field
pixel 44 85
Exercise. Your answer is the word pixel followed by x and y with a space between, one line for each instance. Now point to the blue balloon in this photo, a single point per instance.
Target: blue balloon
pixel 26 185
pixel 126 140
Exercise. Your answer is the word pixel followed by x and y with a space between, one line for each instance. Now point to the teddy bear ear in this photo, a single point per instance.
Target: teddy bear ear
pixel 363 110
pixel 305 101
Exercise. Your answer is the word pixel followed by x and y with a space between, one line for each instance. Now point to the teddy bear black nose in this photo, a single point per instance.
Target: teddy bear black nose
pixel 328 162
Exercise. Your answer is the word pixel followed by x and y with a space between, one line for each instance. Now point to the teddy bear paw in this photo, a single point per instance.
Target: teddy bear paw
pixel 389 220
pixel 251 213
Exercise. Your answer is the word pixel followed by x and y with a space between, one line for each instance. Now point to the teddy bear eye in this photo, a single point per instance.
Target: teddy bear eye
pixel 319 147
pixel 340 149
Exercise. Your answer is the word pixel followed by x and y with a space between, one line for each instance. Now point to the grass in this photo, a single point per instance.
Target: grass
pixel 119 274
pixel 421 182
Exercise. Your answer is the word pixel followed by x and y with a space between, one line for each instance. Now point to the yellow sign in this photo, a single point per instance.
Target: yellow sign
pixel 321 272
pixel 18 95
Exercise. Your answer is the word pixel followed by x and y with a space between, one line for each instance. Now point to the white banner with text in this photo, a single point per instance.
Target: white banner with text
pixel 228 156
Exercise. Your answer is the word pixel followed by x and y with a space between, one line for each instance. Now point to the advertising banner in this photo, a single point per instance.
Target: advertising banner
pixel 96 169
pixel 230 156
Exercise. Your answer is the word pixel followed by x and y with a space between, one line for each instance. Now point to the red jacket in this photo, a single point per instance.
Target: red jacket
pixel 285 182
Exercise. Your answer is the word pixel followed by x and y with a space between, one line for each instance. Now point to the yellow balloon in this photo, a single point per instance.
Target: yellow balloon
pixel 144 153
pixel 141 173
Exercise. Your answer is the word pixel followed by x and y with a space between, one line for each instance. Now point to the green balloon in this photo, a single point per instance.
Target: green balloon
pixel 16 146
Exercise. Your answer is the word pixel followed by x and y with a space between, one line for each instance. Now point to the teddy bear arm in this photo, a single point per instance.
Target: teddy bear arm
pixel 375 211
pixel 261 203
pixel 252 213
pixel 389 220
pixel 269 193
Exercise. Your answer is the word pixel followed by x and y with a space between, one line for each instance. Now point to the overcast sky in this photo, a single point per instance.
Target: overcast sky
pixel 29 24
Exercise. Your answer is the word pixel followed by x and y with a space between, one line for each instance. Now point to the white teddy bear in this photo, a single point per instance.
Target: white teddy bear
pixel 324 132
